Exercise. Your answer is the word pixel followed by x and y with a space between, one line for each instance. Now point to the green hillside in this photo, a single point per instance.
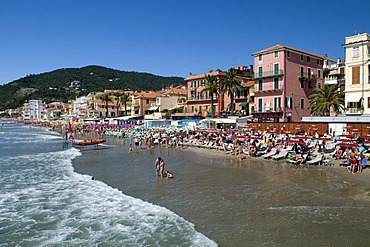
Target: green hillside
pixel 66 84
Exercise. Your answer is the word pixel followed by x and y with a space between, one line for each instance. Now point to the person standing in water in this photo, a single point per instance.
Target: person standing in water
pixel 157 165
pixel 161 168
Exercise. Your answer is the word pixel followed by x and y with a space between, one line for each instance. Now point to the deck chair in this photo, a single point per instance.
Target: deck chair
pixel 269 154
pixel 317 160
pixel 281 155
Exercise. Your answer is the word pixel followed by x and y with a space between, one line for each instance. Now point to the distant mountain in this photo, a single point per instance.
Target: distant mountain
pixel 66 84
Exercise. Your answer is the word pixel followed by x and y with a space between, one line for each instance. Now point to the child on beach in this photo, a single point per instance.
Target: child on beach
pixel 130 148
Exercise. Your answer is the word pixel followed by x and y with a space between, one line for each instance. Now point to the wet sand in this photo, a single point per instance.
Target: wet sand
pixel 253 202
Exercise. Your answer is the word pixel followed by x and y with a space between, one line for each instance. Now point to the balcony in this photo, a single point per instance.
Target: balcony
pixel 268 110
pixel 258 92
pixel 268 74
pixel 354 111
pixel 307 77
pixel 202 98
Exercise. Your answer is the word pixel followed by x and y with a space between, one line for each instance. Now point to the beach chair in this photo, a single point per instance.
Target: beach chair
pixel 317 160
pixel 281 155
pixel 269 154
pixel 295 162
pixel 327 160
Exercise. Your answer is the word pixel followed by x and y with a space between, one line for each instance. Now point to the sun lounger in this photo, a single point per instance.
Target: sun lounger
pixel 295 162
pixel 281 155
pixel 269 154
pixel 317 160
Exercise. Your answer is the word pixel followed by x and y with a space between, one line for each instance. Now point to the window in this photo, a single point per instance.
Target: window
pixel 356 51
pixel 276 69
pixel 309 72
pixel 260 71
pixel 302 84
pixel 276 54
pixel 288 53
pixel 302 103
pixel 260 57
pixel 147 101
pixel 309 85
pixel 319 85
pixel 276 83
pixel 356 75
pixel 206 107
pixel 302 72
pixel 260 88
pixel 277 104
pixel 289 102
pixel 302 57
pixel 260 105
pixel 192 108
pixel 200 109
pixel 319 73
pixel 308 59
pixel 368 102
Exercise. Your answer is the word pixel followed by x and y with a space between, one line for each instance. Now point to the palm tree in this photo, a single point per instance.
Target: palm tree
pixel 230 84
pixel 117 96
pixel 325 99
pixel 212 88
pixel 126 100
pixel 106 99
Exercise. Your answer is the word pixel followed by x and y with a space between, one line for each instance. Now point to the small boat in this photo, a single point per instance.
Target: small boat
pixel 88 142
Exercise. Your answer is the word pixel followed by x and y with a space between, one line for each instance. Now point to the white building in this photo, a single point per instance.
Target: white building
pixel 34 110
pixel 357 66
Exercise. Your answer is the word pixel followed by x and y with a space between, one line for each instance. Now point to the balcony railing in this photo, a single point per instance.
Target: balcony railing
pixel 309 76
pixel 202 98
pixel 268 74
pixel 268 90
pixel 267 110
pixel 354 111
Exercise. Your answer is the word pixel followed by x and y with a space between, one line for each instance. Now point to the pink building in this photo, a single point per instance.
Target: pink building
pixel 284 79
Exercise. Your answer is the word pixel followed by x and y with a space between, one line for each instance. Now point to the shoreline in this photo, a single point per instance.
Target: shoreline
pixel 229 200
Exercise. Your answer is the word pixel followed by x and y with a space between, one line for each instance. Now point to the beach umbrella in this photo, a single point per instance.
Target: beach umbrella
pixel 346 135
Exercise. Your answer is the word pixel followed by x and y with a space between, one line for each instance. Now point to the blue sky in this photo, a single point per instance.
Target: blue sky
pixel 168 38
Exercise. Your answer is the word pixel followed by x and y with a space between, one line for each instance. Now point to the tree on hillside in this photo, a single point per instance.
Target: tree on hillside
pixel 126 100
pixel 325 99
pixel 106 100
pixel 212 88
pixel 230 84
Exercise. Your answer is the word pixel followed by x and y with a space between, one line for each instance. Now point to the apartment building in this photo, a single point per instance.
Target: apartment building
pixel 199 101
pixel 34 110
pixel 357 70
pixel 285 77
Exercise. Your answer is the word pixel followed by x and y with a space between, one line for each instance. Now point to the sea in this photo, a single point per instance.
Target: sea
pixel 44 202
pixel 48 197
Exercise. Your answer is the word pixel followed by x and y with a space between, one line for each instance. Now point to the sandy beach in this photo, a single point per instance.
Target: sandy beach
pixel 253 202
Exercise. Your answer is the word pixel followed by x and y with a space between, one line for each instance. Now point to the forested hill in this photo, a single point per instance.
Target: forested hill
pixel 66 84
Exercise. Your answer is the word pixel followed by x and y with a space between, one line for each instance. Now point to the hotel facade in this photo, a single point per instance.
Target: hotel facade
pixel 285 78
pixel 357 69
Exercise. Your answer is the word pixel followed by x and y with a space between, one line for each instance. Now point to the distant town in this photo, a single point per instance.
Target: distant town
pixel 279 87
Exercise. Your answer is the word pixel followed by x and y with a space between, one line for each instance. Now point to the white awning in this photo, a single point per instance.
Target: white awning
pixel 220 120
pixel 153 108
